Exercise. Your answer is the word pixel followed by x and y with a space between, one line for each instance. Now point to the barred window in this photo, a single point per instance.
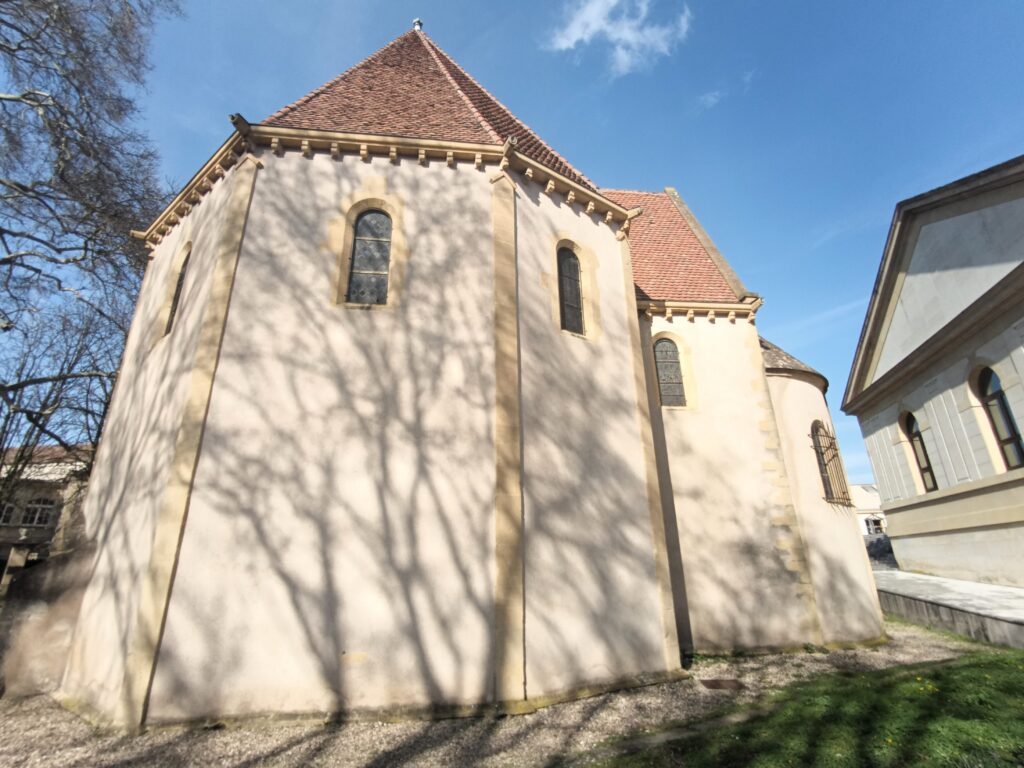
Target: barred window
pixel 371 258
pixel 176 300
pixel 670 374
pixel 830 465
pixel 38 512
pixel 570 294
pixel 924 465
pixel 990 390
pixel 7 514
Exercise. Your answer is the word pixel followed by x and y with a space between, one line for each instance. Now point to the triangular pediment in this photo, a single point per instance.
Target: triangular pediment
pixel 946 251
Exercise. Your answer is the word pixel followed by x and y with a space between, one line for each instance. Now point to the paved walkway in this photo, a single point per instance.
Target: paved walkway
pixel 987 612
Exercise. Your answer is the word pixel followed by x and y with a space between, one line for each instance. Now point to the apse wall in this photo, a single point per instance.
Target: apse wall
pixel 746 577
pixel 339 546
pixel 844 587
pixel 128 488
pixel 594 612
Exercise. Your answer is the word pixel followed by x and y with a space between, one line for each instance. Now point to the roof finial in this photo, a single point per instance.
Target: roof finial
pixel 417 24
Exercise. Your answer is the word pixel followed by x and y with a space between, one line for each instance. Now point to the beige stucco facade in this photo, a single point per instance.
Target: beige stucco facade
pixel 945 308
pixel 446 502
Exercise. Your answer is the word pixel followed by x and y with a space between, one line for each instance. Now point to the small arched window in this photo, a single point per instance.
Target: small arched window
pixel 176 299
pixel 670 374
pixel 924 466
pixel 570 294
pixel 38 512
pixel 990 390
pixel 830 465
pixel 371 259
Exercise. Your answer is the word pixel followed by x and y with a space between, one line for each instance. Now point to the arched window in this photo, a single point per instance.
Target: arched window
pixel 670 374
pixel 38 512
pixel 371 258
pixel 7 514
pixel 570 294
pixel 176 300
pixel 830 465
pixel 920 452
pixel 990 391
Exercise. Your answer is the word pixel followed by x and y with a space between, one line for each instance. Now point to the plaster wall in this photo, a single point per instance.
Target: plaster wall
pixel 593 610
pixel 844 588
pixel 132 464
pixel 957 252
pixel 747 582
pixel 964 456
pixel 339 546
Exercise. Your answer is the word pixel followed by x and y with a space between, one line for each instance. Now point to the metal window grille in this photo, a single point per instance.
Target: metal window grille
pixel 570 293
pixel 670 373
pixel 924 464
pixel 176 300
pixel 1000 417
pixel 830 465
pixel 371 259
pixel 38 512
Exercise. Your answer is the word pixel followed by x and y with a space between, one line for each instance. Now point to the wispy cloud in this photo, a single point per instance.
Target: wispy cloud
pixel 748 78
pixel 710 99
pixel 626 25
pixel 805 330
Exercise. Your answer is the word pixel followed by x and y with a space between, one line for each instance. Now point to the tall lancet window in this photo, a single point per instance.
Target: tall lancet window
pixel 670 373
pixel 371 257
pixel 990 390
pixel 176 299
pixel 830 465
pixel 570 293
pixel 924 465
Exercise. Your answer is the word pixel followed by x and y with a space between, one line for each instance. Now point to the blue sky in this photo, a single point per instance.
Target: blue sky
pixel 790 128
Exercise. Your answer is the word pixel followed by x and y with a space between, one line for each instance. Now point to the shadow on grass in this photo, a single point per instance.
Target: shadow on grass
pixel 964 713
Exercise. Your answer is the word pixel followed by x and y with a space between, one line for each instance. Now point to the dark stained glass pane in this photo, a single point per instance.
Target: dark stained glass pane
pixel 375 224
pixel 670 374
pixel 371 255
pixel 570 295
pixel 367 288
pixel 176 300
pixel 1000 423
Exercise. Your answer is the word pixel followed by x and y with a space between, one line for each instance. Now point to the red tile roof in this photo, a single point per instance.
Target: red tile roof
pixel 412 88
pixel 670 262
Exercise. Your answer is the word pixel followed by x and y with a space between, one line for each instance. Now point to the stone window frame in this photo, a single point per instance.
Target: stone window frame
pixel 174 290
pixel 341 242
pixel 920 476
pixel 991 438
pixel 37 507
pixel 589 288
pixel 685 366
pixel 8 512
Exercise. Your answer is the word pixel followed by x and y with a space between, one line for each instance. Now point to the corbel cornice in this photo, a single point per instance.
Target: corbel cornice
pixel 337 144
pixel 730 311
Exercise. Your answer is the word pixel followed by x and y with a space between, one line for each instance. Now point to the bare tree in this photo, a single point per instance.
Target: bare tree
pixel 76 176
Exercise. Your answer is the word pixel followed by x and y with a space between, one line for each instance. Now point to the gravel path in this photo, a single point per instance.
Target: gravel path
pixel 37 732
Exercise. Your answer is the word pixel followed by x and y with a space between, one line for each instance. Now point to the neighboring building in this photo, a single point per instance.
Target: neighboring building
pixel 868 505
pixel 415 417
pixel 40 513
pixel 936 380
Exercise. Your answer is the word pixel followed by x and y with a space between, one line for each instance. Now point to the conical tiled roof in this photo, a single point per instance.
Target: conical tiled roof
pixel 778 359
pixel 412 88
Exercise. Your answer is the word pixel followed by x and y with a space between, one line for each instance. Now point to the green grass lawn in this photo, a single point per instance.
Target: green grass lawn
pixel 967 713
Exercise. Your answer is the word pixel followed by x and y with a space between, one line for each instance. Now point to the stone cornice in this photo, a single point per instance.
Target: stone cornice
pixel 338 144
pixel 713 310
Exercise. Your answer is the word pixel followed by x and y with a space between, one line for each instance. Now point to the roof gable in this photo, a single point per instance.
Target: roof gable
pixel 412 88
pixel 932 273
pixel 673 258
